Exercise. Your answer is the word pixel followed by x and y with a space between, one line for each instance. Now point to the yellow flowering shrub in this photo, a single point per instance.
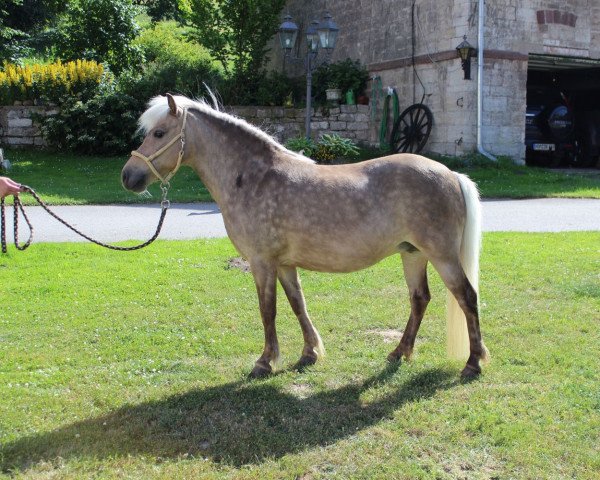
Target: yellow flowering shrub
pixel 48 82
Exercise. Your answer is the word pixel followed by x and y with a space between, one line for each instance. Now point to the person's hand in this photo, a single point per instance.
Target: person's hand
pixel 8 187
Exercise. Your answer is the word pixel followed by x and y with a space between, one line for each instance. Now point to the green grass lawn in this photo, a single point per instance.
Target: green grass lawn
pixel 507 180
pixel 69 179
pixel 134 365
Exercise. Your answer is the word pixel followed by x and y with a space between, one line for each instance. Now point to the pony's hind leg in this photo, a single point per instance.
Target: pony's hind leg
pixel 313 347
pixel 457 282
pixel 415 273
pixel 265 277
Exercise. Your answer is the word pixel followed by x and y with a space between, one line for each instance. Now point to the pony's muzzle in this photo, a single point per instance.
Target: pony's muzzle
pixel 134 179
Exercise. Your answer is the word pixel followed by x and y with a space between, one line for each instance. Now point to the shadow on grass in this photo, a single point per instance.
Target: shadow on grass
pixel 243 422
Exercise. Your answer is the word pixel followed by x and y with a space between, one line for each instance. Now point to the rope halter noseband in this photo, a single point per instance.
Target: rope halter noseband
pixel 148 160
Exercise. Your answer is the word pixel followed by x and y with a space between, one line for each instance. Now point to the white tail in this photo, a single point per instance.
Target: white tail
pixel 457 334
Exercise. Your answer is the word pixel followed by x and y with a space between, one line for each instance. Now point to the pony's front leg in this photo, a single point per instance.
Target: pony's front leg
pixel 313 346
pixel 265 276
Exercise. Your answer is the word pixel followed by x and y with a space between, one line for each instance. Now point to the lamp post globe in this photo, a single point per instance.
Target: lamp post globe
pixel 312 37
pixel 328 32
pixel 288 32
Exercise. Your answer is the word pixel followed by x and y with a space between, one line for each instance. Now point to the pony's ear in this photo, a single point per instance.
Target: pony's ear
pixel 172 105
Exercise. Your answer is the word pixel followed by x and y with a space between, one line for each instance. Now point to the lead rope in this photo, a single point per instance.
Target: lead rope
pixel 164 204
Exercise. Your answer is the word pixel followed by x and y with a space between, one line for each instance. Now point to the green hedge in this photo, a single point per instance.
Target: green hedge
pixel 104 124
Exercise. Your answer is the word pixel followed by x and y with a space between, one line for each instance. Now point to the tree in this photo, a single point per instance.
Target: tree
pixel 8 34
pixel 23 26
pixel 159 10
pixel 28 15
pixel 235 32
pixel 100 30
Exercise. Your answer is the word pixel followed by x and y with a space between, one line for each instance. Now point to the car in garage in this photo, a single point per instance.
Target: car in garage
pixel 562 124
pixel 550 138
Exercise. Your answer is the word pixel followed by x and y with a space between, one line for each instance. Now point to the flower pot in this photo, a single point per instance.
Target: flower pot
pixel 333 95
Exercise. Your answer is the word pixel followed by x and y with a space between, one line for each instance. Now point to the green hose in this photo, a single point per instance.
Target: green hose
pixel 376 92
pixel 383 128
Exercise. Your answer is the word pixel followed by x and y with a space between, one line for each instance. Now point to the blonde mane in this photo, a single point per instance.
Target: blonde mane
pixel 158 109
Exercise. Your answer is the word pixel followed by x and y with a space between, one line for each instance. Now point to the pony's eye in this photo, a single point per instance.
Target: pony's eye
pixel 159 133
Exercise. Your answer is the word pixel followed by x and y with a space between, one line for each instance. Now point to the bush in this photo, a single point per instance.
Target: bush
pixel 333 147
pixel 345 75
pixel 174 65
pixel 329 148
pixel 104 124
pixel 51 82
pixel 278 89
pixel 167 40
pixel 173 77
pixel 302 144
pixel 273 88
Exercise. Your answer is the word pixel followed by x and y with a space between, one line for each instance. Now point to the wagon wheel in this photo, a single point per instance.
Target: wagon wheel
pixel 411 130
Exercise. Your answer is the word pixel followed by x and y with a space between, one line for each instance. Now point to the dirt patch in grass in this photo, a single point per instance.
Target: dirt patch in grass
pixel 239 263
pixel 389 335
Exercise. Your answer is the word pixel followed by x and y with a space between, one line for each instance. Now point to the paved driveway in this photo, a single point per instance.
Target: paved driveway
pixel 541 215
pixel 203 220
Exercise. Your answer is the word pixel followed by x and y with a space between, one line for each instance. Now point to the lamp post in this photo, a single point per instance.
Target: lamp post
pixel 319 36
pixel 465 51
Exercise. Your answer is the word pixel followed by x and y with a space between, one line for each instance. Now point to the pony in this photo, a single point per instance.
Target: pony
pixel 282 211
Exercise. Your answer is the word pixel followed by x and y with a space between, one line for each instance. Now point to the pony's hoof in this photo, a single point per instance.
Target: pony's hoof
pixel 470 372
pixel 400 352
pixel 394 357
pixel 260 371
pixel 305 361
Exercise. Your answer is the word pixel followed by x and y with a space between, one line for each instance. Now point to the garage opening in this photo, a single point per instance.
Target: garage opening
pixel 562 127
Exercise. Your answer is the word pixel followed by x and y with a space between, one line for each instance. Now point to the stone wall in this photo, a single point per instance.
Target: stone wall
pixel 569 28
pixel 348 121
pixel 18 127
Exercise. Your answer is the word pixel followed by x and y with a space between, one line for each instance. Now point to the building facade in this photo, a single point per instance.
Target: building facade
pixel 411 46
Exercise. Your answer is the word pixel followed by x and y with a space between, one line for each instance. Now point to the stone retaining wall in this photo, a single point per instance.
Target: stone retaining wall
pixel 348 121
pixel 18 127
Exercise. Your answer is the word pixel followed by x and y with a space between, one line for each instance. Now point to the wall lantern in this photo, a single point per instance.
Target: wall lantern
pixel 288 31
pixel 465 51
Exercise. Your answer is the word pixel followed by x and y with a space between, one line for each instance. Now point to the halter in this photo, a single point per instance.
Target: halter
pixel 148 160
